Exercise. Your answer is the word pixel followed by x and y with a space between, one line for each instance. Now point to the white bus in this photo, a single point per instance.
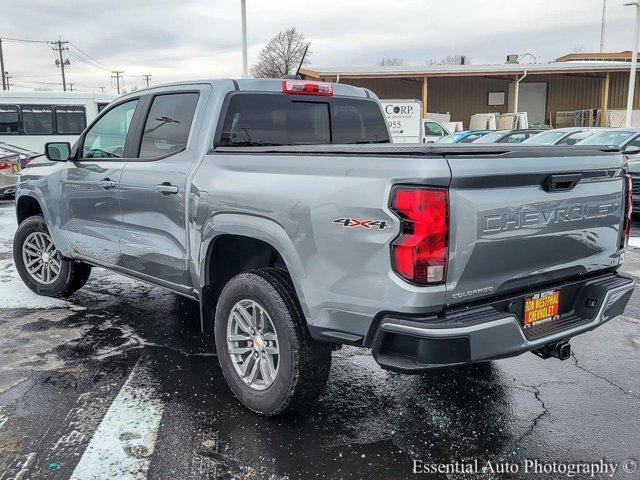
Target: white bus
pixel 31 119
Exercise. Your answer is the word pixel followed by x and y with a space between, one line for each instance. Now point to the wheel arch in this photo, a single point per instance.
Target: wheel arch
pixel 266 243
pixel 28 206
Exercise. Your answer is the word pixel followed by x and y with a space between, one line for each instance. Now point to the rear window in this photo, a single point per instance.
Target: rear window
pixel 37 119
pixel 9 119
pixel 266 119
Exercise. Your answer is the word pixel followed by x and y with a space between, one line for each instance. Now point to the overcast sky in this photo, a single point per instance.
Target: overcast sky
pixel 186 39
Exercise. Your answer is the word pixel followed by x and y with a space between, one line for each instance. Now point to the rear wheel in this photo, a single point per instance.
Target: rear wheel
pixel 40 264
pixel 266 353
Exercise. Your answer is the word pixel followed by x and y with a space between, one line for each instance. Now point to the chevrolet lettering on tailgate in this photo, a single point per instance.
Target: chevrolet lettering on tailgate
pixel 508 219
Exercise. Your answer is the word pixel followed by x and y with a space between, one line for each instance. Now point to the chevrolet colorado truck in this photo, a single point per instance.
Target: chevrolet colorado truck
pixel 281 207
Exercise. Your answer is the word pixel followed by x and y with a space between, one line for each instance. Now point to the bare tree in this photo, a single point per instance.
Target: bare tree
pixel 280 55
pixel 451 60
pixel 391 62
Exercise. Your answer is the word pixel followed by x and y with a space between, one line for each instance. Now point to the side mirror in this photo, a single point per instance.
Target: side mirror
pixel 57 151
pixel 632 150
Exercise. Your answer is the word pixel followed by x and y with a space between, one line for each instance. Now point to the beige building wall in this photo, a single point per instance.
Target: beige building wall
pixel 464 96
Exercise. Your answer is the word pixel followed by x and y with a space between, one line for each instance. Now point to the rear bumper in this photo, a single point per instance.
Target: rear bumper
pixel 486 333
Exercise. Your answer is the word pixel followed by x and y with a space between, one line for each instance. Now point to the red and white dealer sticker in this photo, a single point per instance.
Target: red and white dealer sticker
pixel 541 307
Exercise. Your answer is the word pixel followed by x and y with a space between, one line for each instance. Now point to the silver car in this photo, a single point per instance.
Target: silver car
pixel 9 172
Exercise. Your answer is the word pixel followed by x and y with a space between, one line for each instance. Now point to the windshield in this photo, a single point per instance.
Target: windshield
pixel 608 138
pixel 545 138
pixel 490 137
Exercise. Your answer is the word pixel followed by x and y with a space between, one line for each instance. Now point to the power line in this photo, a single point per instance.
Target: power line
pixel 23 40
pixel 90 57
pixel 87 62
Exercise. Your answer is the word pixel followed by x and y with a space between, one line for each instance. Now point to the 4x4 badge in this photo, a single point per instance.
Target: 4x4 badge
pixel 368 224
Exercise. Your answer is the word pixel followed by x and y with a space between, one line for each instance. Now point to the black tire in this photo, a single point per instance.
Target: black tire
pixel 304 363
pixel 73 275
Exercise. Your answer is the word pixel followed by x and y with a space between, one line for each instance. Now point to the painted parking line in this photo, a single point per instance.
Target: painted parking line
pixel 123 443
pixel 3 417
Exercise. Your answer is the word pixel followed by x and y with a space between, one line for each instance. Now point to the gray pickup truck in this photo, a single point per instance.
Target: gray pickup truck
pixel 281 207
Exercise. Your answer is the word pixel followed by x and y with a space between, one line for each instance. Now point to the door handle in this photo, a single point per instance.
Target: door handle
pixel 106 184
pixel 166 189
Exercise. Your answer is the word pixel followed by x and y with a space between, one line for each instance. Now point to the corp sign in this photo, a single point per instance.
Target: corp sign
pixel 404 118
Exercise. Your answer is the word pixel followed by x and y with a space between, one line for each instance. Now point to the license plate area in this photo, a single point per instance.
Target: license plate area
pixel 542 307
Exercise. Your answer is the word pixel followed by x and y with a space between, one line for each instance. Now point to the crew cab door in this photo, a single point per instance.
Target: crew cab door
pixel 153 198
pixel 90 216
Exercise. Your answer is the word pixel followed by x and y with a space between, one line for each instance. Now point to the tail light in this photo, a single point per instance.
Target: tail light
pixel 419 253
pixel 302 87
pixel 4 165
pixel 628 210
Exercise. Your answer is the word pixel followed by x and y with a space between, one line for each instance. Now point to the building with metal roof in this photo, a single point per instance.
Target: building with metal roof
pixel 573 82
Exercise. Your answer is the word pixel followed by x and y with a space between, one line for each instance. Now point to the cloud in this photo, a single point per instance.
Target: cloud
pixel 175 40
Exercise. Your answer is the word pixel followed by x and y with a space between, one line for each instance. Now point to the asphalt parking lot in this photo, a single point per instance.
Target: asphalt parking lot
pixel 116 382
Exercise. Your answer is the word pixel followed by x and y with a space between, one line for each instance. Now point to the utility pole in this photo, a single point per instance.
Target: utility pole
pixel 7 77
pixel 634 63
pixel 70 87
pixel 116 75
pixel 604 24
pixel 58 46
pixel 146 78
pixel 4 81
pixel 101 89
pixel 245 65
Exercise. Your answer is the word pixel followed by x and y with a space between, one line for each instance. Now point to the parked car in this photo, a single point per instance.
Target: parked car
pixel 26 156
pixel 508 136
pixel 627 140
pixel 465 136
pixel 230 192
pixel 9 172
pixel 562 136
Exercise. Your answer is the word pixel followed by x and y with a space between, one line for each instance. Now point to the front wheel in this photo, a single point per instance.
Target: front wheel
pixel 264 348
pixel 40 264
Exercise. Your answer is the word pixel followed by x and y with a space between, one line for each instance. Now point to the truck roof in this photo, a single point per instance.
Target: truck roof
pixel 263 85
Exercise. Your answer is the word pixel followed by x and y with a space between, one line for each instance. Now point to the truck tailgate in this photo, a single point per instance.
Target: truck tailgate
pixel 531 216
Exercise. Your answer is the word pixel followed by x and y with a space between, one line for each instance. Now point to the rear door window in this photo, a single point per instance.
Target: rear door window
pixel 9 119
pixel 70 119
pixel 37 119
pixel 274 119
pixel 167 127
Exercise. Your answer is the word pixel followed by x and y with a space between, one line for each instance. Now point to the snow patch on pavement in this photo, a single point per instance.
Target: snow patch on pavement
pixel 13 292
pixel 634 242
pixel 122 445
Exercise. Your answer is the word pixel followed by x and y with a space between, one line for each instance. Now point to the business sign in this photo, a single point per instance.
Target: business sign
pixel 404 118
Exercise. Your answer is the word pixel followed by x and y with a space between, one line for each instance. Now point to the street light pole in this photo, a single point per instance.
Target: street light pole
pixel 245 66
pixel 634 62
pixel 604 24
